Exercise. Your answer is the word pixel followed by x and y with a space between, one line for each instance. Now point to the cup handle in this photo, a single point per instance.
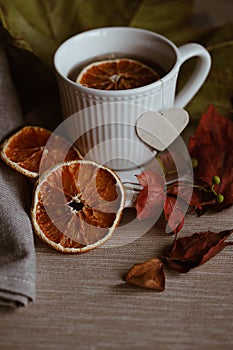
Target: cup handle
pixel 199 74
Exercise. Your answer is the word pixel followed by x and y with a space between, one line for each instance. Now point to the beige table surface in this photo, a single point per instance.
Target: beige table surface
pixel 83 303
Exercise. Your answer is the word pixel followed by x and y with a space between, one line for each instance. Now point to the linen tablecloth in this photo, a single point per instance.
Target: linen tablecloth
pixel 17 253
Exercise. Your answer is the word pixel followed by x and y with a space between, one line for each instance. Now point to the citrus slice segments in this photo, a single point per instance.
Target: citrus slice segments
pixel 23 150
pixel 117 74
pixel 77 206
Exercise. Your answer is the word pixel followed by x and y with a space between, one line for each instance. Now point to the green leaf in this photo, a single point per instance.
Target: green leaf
pixel 171 18
pixel 106 13
pixel 29 25
pixel 40 26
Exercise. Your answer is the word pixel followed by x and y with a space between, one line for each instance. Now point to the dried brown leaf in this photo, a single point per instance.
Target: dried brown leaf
pixel 148 274
pixel 192 251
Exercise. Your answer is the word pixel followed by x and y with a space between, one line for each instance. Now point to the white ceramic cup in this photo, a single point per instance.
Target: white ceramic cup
pixel 141 43
pixel 104 121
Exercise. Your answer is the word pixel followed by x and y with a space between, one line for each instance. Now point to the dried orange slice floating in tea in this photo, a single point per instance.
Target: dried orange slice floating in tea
pixel 77 205
pixel 117 74
pixel 23 150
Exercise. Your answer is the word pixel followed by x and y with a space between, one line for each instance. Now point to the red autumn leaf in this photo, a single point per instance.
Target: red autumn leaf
pixel 195 198
pixel 151 198
pixel 192 251
pixel 177 203
pixel 148 274
pixel 174 213
pixel 211 145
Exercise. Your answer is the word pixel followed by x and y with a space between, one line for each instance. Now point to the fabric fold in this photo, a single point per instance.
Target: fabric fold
pixel 17 254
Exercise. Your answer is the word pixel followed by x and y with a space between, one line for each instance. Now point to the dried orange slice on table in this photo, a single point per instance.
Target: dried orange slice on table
pixel 117 74
pixel 23 150
pixel 77 206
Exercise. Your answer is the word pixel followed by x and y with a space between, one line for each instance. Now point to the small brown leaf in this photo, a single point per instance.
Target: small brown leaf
pixel 148 274
pixel 195 250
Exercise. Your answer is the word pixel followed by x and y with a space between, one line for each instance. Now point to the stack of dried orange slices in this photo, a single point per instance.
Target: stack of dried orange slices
pixel 77 204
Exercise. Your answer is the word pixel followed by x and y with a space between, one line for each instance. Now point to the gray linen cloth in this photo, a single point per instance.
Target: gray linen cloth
pixel 17 255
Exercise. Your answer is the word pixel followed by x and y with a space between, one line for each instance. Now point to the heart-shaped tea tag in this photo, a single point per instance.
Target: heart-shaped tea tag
pixel 160 130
